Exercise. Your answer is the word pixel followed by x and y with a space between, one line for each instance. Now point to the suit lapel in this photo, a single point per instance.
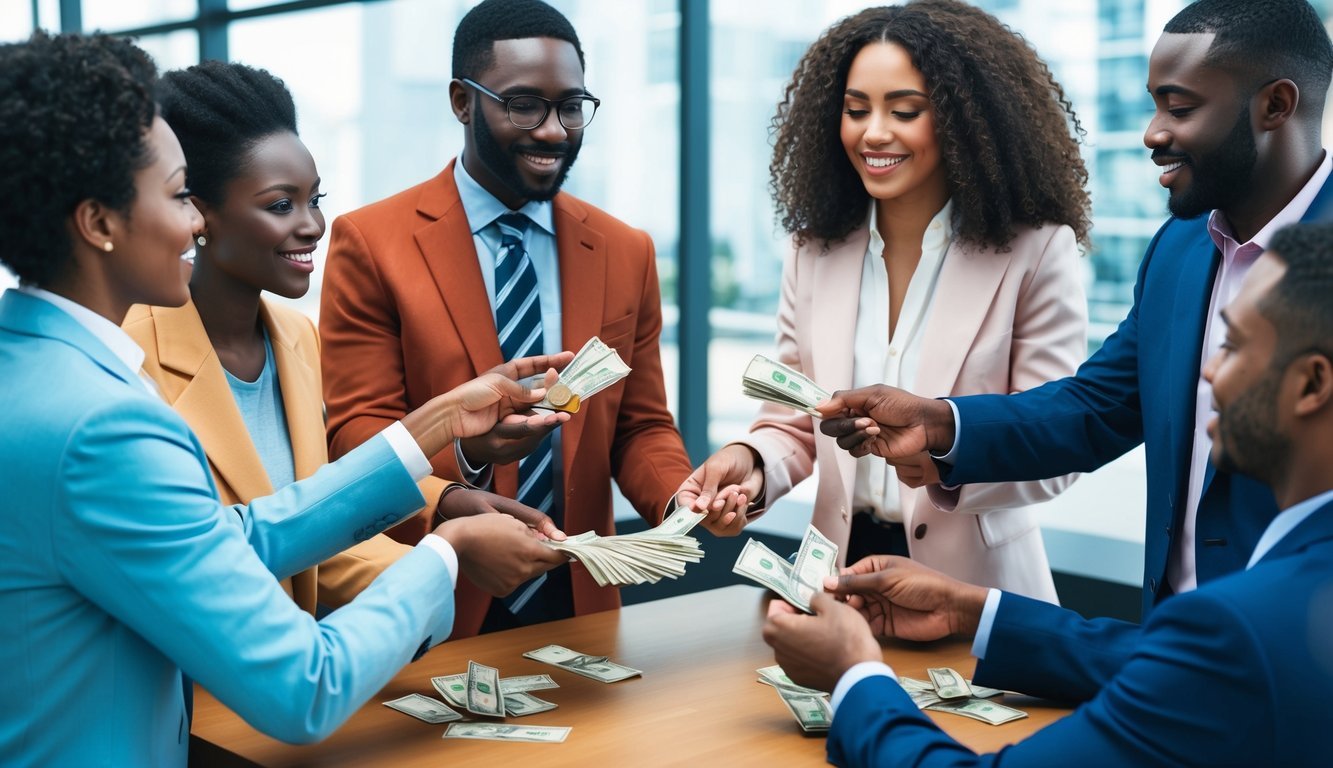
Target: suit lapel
pixel 581 253
pixel 969 279
pixel 1312 530
pixel 206 402
pixel 1321 209
pixel 451 256
pixel 300 387
pixel 834 301
pixel 32 316
pixel 1194 292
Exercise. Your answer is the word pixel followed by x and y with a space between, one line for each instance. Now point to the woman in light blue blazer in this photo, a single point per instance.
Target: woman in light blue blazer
pixel 119 568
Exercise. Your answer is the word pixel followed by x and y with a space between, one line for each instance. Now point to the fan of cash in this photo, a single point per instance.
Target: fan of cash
pixel 593 369
pixel 636 558
pixel 796 583
pixel 773 382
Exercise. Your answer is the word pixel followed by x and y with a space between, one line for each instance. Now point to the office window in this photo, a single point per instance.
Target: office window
pixel 111 15
pixel 15 20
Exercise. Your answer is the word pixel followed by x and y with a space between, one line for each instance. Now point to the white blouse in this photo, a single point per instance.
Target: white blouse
pixel 878 359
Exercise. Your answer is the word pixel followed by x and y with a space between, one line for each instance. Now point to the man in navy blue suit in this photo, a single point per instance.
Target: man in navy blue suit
pixel 1234 673
pixel 1239 89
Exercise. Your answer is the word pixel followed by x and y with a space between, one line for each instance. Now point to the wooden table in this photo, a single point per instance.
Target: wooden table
pixel 696 703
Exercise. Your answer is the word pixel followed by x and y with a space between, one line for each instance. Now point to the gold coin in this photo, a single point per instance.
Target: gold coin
pixel 559 394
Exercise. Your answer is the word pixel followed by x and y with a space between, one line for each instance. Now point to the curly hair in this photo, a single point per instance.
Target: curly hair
pixel 1003 125
pixel 492 20
pixel 219 111
pixel 75 111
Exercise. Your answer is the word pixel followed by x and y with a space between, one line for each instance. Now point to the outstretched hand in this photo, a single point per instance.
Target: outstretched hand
pixel 723 487
pixel 815 651
pixel 902 598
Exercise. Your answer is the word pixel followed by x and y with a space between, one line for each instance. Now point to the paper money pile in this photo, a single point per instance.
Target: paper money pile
pixel 544 734
pixel 773 382
pixel 947 691
pixel 637 558
pixel 514 690
pixel 596 667
pixel 594 368
pixel 809 706
pixel 797 584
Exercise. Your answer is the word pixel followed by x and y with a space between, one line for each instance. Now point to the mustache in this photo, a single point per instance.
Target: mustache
pixel 545 150
pixel 1159 153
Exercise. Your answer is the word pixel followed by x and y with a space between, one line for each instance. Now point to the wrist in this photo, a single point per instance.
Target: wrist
pixel 440 516
pixel 432 425
pixel 968 604
pixel 937 417
pixel 455 532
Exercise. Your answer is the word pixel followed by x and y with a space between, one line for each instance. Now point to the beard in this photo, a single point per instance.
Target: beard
pixel 1247 440
pixel 1221 177
pixel 504 164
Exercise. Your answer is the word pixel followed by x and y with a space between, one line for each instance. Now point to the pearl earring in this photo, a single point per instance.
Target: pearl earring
pixel 108 247
pixel 201 240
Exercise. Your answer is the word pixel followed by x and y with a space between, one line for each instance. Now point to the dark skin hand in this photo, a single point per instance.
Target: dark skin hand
pixel 511 439
pixel 888 422
pixel 815 651
pixel 901 598
pixel 466 502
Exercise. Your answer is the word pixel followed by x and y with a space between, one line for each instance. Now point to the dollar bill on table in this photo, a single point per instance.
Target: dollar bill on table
pixel 775 677
pixel 594 368
pixel 424 708
pixel 980 709
pixel 812 712
pixel 982 692
pixel 948 683
pixel 522 704
pixel 546 734
pixel 797 584
pixel 638 558
pixel 483 690
pixel 773 382
pixel 453 688
pixel 596 667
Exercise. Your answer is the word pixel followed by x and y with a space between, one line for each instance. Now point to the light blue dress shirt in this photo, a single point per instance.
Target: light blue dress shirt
pixel 265 417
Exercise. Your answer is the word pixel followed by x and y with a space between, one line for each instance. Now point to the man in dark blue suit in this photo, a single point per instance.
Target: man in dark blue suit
pixel 1234 673
pixel 1239 88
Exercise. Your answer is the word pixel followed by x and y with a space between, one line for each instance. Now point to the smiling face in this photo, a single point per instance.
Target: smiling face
pixel 146 265
pixel 1201 133
pixel 264 232
pixel 1247 430
pixel 888 128
pixel 514 164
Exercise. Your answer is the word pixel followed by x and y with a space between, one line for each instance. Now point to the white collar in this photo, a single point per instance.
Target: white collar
pixel 105 331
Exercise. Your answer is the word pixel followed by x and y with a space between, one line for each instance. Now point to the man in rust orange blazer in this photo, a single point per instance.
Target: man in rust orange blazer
pixel 417 285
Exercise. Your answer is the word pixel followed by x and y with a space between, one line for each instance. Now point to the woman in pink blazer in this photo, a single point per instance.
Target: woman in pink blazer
pixel 925 164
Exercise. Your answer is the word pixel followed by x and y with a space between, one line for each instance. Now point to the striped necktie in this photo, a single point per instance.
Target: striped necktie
pixel 518 322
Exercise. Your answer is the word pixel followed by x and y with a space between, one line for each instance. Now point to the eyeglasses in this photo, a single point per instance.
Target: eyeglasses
pixel 527 112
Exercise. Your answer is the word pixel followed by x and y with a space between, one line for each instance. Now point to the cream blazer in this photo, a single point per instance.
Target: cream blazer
pixel 179 357
pixel 999 322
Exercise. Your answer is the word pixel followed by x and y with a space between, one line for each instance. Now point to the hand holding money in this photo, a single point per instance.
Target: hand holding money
pixel 816 560
pixel 815 651
pixel 637 558
pixel 594 368
pixel 773 382
pixel 925 604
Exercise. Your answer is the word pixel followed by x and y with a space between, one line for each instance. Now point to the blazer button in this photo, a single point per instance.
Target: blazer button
pixel 920 532
pixel 1152 585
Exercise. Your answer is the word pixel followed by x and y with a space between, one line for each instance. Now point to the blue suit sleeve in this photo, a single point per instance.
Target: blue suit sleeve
pixel 1198 674
pixel 1074 424
pixel 1052 652
pixel 145 540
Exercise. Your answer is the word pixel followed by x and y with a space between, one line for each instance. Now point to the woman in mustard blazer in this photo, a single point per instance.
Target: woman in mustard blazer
pixel 925 164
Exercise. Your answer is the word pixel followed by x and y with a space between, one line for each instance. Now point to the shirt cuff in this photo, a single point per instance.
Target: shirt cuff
pixel 445 550
pixel 952 455
pixel 856 674
pixel 477 478
pixel 984 625
pixel 414 459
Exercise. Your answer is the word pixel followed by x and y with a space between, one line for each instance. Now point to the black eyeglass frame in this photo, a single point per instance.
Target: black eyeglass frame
pixel 547 104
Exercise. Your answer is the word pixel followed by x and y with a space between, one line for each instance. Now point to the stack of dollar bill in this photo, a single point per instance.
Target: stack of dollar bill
pixel 947 691
pixel 514 691
pixel 637 558
pixel 594 368
pixel 596 667
pixel 773 382
pixel 798 583
pixel 543 734
pixel 809 706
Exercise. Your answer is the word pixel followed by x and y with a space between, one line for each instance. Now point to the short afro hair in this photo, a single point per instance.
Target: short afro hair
pixel 219 111
pixel 1269 39
pixel 75 111
pixel 492 20
pixel 1299 306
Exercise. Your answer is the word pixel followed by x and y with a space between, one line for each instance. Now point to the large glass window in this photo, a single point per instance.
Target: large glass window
pixel 15 20
pixel 111 15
